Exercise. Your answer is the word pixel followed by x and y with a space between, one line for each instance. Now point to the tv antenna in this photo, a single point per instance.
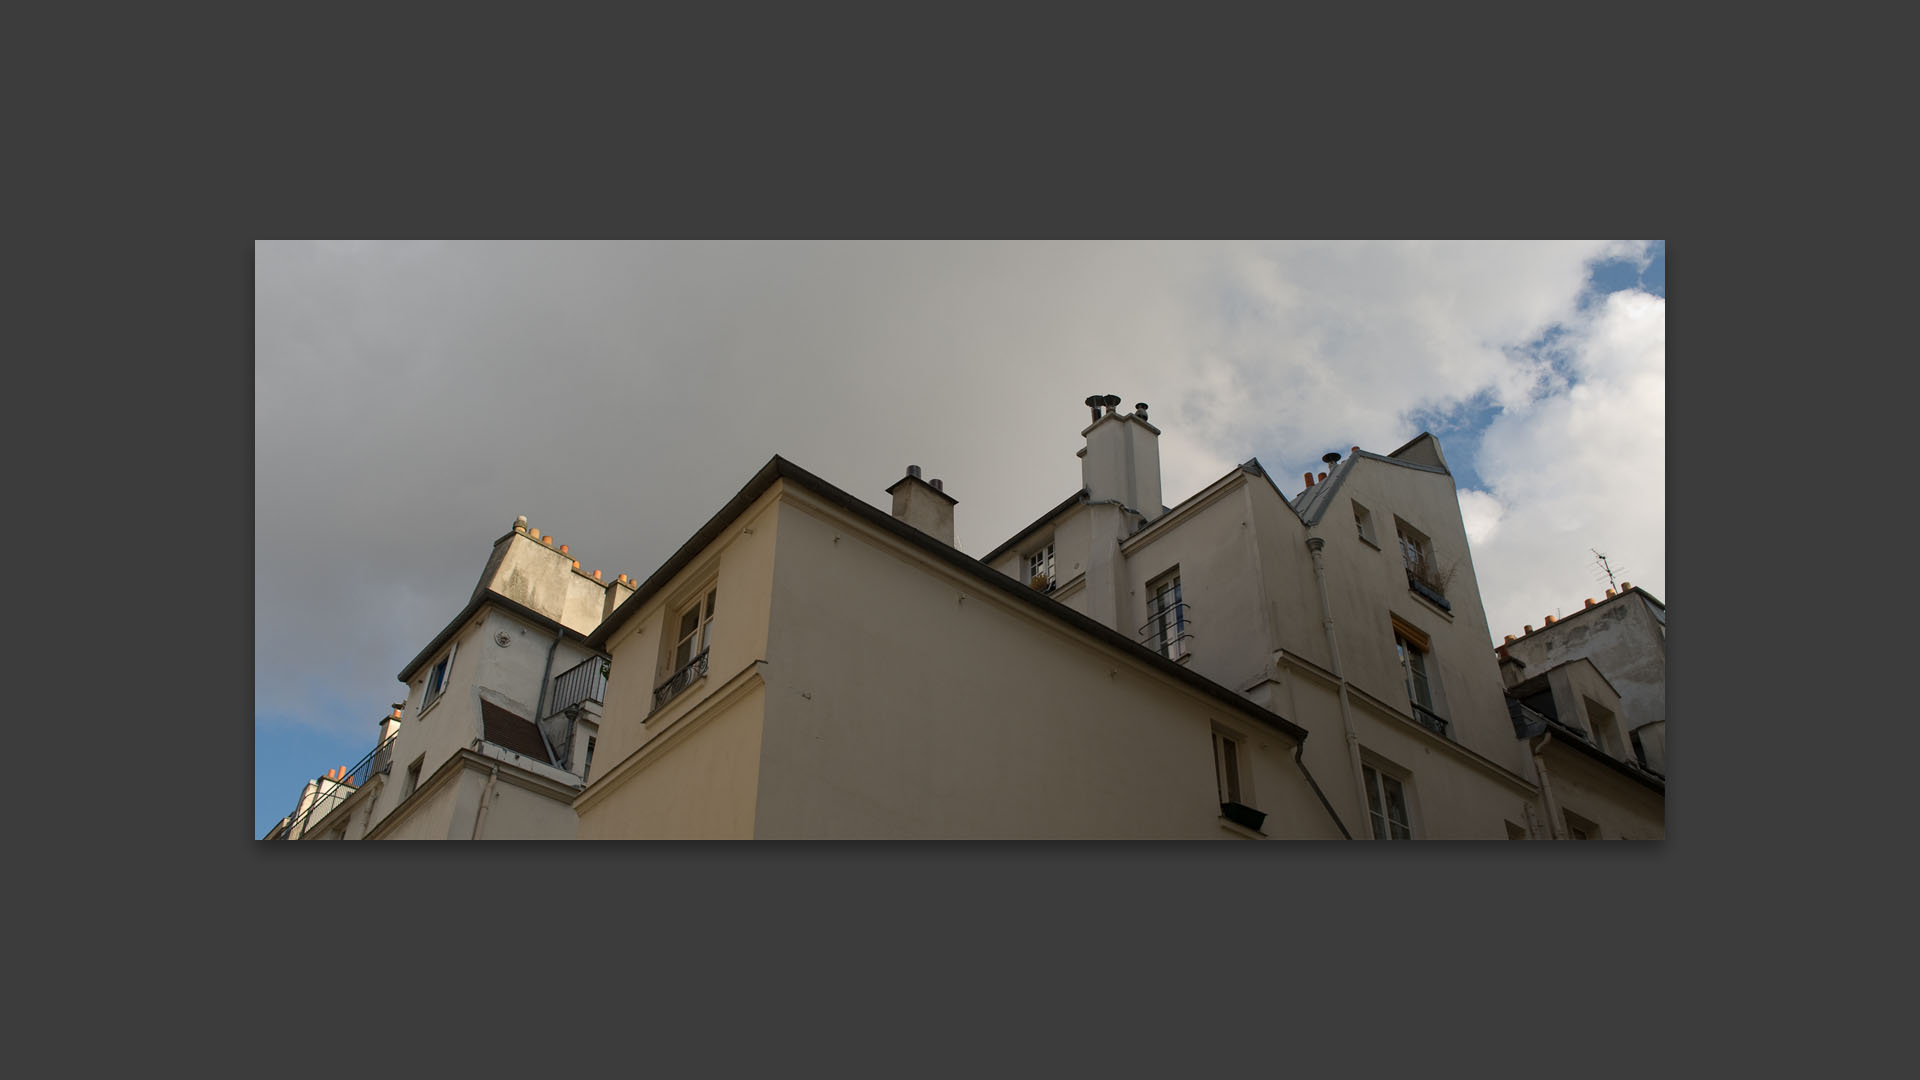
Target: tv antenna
pixel 1600 560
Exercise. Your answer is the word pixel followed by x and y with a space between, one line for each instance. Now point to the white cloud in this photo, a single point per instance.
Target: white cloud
pixel 1580 469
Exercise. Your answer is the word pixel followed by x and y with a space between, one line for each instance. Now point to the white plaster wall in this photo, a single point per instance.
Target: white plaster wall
pixel 988 720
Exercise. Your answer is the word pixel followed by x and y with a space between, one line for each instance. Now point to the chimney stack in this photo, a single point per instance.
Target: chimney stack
pixel 1121 461
pixel 925 506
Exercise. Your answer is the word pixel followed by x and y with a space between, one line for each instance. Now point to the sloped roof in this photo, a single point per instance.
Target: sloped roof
pixel 507 729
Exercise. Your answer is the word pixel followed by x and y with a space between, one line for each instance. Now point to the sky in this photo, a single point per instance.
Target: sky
pixel 412 398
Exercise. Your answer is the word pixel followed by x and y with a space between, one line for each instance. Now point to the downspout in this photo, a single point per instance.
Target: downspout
pixel 486 800
pixel 1299 749
pixel 1546 787
pixel 1314 545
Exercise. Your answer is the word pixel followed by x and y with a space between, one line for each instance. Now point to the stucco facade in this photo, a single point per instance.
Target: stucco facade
pixel 1624 634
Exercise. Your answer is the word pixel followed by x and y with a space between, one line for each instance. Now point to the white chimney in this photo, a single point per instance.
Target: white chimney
pixel 923 505
pixel 1121 460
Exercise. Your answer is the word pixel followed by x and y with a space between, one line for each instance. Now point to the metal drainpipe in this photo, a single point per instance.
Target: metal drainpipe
pixel 486 799
pixel 541 702
pixel 1314 544
pixel 1546 787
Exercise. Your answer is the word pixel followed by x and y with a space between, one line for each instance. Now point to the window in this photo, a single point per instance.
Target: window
pixel 413 776
pixel 1040 565
pixel 1423 567
pixel 1579 828
pixel 1166 629
pixel 437 679
pixel 1363 521
pixel 1411 646
pixel 1387 806
pixel 696 631
pixel 1226 767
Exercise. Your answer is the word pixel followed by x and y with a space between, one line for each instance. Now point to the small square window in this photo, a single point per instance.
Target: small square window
pixel 413 776
pixel 1363 521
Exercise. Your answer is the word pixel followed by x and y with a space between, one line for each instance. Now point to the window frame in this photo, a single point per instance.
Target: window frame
pixel 1363 523
pixel 413 778
pixel 1409 641
pixel 1377 777
pixel 703 608
pixel 1231 777
pixel 1163 617
pixel 439 677
pixel 1043 556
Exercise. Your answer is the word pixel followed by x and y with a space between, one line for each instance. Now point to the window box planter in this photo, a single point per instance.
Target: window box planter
pixel 1427 591
pixel 1244 816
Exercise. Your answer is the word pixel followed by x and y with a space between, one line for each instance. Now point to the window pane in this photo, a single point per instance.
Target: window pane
pixel 1373 792
pixel 690 622
pixel 710 596
pixel 1232 757
pixel 1396 805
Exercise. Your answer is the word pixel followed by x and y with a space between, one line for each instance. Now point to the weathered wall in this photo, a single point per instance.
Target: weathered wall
pixel 1623 808
pixel 1625 638
pixel 697 781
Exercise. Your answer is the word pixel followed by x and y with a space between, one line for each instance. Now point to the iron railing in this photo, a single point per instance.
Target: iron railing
pixel 685 677
pixel 334 790
pixel 1429 719
pixel 1169 631
pixel 584 681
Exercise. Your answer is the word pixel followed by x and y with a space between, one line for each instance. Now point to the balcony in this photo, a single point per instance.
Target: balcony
pixel 694 671
pixel 1429 719
pixel 585 681
pixel 332 790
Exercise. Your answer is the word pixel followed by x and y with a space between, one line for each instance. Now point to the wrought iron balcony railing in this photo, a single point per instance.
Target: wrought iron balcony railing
pixel 334 790
pixel 585 681
pixel 1169 632
pixel 1429 719
pixel 685 677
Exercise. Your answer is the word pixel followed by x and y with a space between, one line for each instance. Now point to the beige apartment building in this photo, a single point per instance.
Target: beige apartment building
pixel 463 758
pixel 1239 666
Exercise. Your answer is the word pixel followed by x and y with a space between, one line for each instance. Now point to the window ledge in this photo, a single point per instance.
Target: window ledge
pixel 1369 543
pixel 1431 606
pixel 1241 830
pixel 430 706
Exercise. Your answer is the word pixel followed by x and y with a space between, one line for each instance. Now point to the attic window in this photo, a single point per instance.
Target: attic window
pixel 1363 521
pixel 1040 567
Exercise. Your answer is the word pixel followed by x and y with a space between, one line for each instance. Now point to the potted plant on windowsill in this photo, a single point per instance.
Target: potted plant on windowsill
pixel 1243 816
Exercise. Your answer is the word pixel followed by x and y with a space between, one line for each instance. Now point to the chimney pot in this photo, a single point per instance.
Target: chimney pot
pixel 1589 601
pixel 1609 593
pixel 1625 585
pixel 576 564
pixel 1527 629
pixel 1093 402
pixel 1509 639
pixel 1308 477
pixel 520 523
pixel 1332 458
pixel 547 540
pixel 1549 620
pixel 535 533
pixel 563 549
pixel 1323 476
pixel 1111 401
pixel 939 485
pixel 596 575
pixel 1356 449
pixel 1140 409
pixel 913 471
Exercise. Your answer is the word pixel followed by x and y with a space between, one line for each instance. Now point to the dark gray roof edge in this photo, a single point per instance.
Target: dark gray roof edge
pixel 779 467
pixel 1065 504
pixel 1580 743
pixel 480 600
